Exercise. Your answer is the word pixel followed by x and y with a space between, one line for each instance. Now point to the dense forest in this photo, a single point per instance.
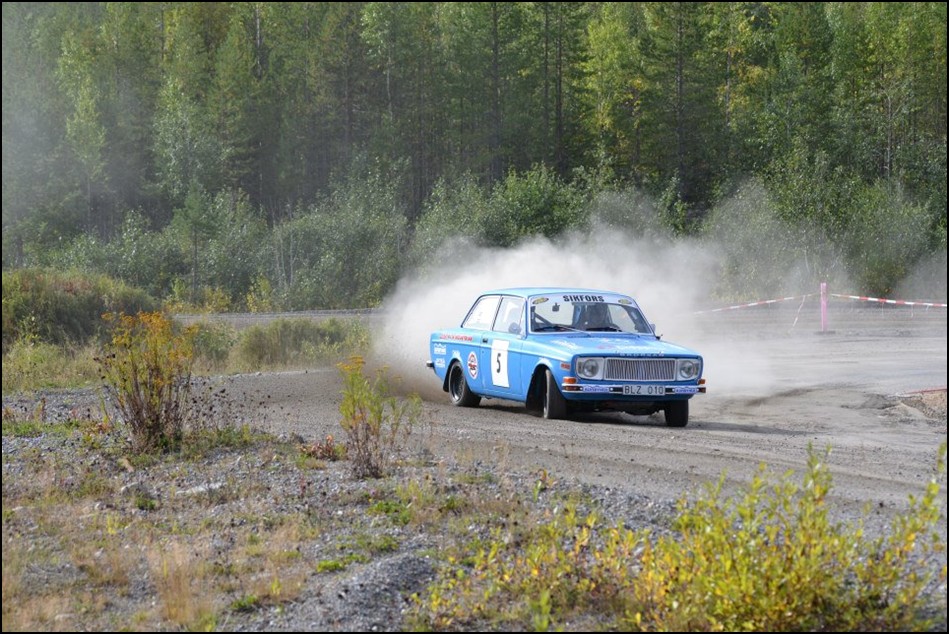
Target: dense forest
pixel 305 155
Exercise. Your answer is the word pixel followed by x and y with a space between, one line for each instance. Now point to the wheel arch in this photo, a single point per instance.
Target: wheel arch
pixel 455 359
pixel 535 390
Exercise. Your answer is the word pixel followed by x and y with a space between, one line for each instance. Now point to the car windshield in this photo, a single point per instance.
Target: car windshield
pixel 586 313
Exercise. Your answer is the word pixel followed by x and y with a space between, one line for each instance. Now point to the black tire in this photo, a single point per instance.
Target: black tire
pixel 677 413
pixel 555 405
pixel 461 395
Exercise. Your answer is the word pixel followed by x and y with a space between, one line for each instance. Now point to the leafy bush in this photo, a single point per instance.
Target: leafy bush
pixel 59 308
pixel 213 342
pixel 297 341
pixel 376 423
pixel 773 560
pixel 147 369
pixel 453 211
pixel 137 255
pixel 536 202
pixel 770 559
pixel 887 236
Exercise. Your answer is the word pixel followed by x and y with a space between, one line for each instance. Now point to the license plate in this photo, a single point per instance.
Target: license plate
pixel 644 390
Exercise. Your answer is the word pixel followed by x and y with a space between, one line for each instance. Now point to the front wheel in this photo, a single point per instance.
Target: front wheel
pixel 555 405
pixel 461 395
pixel 677 413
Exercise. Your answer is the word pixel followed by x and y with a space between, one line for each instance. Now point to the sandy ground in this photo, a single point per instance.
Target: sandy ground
pixel 872 389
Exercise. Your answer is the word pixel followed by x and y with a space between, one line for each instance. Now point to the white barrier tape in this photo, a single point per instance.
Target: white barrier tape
pixel 750 304
pixel 898 302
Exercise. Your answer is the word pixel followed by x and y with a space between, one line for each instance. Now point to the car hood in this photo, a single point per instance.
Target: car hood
pixel 617 345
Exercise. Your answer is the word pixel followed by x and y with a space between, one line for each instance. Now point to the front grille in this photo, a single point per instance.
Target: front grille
pixel 640 370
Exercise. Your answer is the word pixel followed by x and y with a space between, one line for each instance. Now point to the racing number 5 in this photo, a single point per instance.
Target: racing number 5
pixel 499 350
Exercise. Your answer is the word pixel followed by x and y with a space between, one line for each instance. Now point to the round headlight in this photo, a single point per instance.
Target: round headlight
pixel 588 368
pixel 688 369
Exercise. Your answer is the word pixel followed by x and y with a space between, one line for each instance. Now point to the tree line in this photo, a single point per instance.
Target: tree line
pixel 304 154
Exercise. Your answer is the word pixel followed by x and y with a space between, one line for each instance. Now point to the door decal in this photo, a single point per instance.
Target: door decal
pixel 473 365
pixel 499 363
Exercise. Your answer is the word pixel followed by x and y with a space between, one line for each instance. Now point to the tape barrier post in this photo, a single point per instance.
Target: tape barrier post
pixel 823 307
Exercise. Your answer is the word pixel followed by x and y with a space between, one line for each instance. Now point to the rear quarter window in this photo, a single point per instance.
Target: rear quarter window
pixel 482 313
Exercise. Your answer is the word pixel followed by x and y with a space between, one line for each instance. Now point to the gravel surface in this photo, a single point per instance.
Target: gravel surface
pixel 873 391
pixel 222 498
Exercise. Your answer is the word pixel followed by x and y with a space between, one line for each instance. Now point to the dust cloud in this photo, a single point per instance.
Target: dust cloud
pixel 745 252
pixel 670 280
pixel 926 282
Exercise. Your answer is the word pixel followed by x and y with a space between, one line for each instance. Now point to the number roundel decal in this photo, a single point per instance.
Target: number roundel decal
pixel 473 365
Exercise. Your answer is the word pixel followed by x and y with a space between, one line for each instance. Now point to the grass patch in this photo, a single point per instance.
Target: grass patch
pixel 377 544
pixel 248 603
pixel 336 565
pixel 35 425
pixel 395 511
pixel 30 364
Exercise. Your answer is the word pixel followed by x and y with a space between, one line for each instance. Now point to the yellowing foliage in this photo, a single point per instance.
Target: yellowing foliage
pixel 147 368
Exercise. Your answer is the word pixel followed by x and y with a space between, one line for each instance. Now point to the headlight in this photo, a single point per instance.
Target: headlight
pixel 590 367
pixel 687 369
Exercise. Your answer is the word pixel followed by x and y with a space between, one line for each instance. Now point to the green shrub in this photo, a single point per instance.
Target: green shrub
pixel 769 559
pixel 60 308
pixel 213 342
pixel 296 342
pixel 376 423
pixel 535 202
pixel 147 369
pixel 773 560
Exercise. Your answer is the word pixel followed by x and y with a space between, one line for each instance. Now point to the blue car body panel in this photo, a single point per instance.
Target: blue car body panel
pixel 510 337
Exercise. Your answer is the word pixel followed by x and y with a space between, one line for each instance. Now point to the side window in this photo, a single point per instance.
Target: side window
pixel 510 316
pixel 482 314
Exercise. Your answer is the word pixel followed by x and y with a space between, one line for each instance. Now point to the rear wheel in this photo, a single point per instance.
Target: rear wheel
pixel 461 395
pixel 555 405
pixel 677 413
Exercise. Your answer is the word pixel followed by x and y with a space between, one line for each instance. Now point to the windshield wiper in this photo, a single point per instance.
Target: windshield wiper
pixel 556 328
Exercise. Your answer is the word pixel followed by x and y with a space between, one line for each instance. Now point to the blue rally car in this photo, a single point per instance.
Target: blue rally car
pixel 562 349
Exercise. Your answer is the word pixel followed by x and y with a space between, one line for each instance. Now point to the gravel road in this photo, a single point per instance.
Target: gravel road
pixel 873 389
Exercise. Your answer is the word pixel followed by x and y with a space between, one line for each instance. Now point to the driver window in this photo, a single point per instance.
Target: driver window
pixel 510 316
